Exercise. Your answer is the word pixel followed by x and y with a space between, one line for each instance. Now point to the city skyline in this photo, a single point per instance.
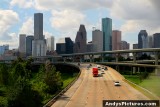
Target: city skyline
pixel 17 18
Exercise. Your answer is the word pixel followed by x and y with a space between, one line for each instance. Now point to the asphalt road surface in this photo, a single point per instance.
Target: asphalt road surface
pixel 89 91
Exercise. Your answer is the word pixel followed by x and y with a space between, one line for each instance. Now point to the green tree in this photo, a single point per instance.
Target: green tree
pixel 52 78
pixel 20 94
pixel 4 74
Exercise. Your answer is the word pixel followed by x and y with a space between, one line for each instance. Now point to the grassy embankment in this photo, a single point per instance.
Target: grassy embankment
pixel 151 83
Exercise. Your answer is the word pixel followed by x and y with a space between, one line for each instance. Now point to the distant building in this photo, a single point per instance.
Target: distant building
pixel 125 46
pixel 107 34
pixel 64 46
pixel 29 40
pixel 50 43
pixel 39 47
pixel 156 40
pixel 135 46
pixel 116 40
pixel 89 47
pixel 3 48
pixel 80 40
pixel 61 46
pixel 143 39
pixel 97 40
pixel 150 41
pixel 69 45
pixel 22 43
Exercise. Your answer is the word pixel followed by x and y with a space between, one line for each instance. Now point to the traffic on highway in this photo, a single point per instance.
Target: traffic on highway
pixel 95 84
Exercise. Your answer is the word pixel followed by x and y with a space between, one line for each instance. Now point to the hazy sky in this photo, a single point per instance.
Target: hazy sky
pixel 61 18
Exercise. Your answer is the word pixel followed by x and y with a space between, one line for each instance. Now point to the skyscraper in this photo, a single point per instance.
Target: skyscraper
pixel 39 42
pixel 142 39
pixel 29 40
pixel 38 26
pixel 135 46
pixel 22 43
pixel 80 41
pixel 116 40
pixel 50 43
pixel 107 34
pixel 156 40
pixel 3 48
pixel 97 40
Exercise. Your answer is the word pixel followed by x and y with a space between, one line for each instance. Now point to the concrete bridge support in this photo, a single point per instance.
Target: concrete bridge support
pixel 91 58
pixel 102 57
pixel 156 58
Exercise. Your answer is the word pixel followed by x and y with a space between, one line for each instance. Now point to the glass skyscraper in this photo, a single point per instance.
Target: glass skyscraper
pixel 107 34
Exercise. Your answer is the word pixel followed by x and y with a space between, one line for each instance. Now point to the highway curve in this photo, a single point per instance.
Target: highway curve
pixel 89 91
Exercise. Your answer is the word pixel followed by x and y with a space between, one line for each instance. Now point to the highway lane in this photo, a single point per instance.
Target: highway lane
pixel 89 91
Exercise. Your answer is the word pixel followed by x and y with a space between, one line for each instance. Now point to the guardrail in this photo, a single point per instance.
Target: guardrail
pixel 53 100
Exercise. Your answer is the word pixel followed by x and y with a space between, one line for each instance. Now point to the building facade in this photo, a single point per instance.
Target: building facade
pixel 69 45
pixel 50 43
pixel 150 41
pixel 135 46
pixel 80 45
pixel 64 46
pixel 156 40
pixel 22 43
pixel 142 39
pixel 3 48
pixel 97 40
pixel 116 40
pixel 29 40
pixel 107 34
pixel 39 42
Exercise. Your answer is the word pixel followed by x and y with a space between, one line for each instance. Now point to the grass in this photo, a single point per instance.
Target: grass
pixel 133 78
pixel 67 78
pixel 151 83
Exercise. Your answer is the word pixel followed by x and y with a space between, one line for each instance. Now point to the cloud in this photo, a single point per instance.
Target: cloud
pixel 22 3
pixel 27 27
pixel 8 18
pixel 67 21
pixel 71 4
pixel 142 14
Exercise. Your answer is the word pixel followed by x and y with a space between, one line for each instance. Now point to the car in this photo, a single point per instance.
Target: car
pixel 117 83
pixel 105 68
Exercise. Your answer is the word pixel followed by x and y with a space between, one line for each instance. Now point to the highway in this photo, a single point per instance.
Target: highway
pixel 89 91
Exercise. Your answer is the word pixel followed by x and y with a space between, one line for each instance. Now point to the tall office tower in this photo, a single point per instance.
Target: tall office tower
pixel 156 40
pixel 50 43
pixel 135 46
pixel 80 41
pixel 64 46
pixel 29 40
pixel 97 40
pixel 39 43
pixel 150 41
pixel 142 39
pixel 107 34
pixel 38 26
pixel 116 40
pixel 22 43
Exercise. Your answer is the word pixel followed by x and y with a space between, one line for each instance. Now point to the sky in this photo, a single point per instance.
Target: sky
pixel 62 18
